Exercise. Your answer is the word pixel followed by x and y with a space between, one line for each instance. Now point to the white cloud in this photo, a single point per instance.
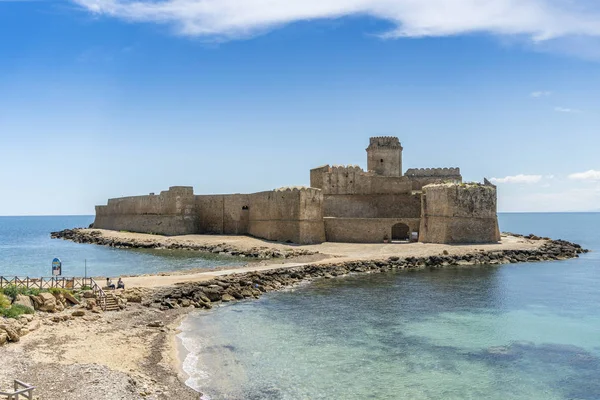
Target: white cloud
pixel 518 179
pixel 567 110
pixel 542 93
pixel 538 20
pixel 591 175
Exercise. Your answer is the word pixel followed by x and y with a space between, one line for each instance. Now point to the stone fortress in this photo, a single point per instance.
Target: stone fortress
pixel 342 204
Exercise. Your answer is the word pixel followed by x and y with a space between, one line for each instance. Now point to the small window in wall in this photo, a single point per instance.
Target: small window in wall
pixel 381 160
pixel 244 207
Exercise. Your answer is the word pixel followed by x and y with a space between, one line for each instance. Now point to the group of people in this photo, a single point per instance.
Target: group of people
pixel 111 285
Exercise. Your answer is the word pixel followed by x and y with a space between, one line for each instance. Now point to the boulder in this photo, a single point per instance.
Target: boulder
pixel 70 298
pixel 133 295
pixel 11 332
pixel 227 297
pixel 91 304
pixel 46 302
pixel 78 313
pixel 24 301
pixel 185 302
pixel 156 324
pixel 3 337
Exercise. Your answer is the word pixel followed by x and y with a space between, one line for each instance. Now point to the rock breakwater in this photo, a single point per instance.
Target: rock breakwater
pixel 79 235
pixel 253 284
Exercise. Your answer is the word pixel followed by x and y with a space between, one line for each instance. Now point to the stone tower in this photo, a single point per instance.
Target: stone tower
pixel 384 156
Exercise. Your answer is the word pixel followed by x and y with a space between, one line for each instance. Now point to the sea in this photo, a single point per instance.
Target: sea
pixel 26 249
pixel 526 331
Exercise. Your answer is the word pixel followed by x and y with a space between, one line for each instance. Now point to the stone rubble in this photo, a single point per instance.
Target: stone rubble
pixel 95 237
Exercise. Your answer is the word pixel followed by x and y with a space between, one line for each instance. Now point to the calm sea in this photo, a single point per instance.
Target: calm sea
pixel 27 250
pixel 521 331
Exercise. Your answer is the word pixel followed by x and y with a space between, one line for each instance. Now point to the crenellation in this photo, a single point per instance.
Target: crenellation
pixel 432 172
pixel 343 203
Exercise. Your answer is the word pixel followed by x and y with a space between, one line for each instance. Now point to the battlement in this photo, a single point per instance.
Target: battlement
pixel 390 142
pixel 297 189
pixel 345 168
pixel 432 172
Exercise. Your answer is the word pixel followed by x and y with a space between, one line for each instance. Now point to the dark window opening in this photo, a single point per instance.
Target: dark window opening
pixel 244 207
pixel 381 160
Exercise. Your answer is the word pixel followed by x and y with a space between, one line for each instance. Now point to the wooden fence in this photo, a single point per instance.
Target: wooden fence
pixel 22 390
pixel 45 283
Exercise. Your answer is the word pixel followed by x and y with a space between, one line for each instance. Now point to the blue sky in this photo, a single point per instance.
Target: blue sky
pixel 108 98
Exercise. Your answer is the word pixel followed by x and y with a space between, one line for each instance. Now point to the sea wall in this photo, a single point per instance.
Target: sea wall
pixel 172 212
pixel 459 213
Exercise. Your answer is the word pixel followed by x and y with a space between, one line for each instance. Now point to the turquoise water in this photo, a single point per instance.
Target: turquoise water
pixel 27 250
pixel 520 331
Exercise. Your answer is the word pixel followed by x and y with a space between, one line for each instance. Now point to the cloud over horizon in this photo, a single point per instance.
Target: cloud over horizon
pixel 521 178
pixel 537 20
pixel 591 175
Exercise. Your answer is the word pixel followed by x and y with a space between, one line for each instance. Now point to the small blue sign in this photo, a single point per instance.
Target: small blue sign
pixel 56 267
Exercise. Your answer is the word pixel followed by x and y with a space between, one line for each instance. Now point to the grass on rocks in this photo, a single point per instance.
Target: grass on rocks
pixel 15 311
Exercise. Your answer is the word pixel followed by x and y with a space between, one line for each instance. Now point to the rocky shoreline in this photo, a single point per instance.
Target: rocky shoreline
pixel 79 235
pixel 249 285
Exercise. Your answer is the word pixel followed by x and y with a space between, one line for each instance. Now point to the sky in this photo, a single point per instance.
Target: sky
pixel 109 98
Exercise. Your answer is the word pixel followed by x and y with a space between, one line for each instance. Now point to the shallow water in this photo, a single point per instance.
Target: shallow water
pixel 27 250
pixel 519 331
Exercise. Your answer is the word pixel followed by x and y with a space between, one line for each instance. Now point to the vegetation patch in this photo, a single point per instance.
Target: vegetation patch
pixel 16 311
pixel 12 291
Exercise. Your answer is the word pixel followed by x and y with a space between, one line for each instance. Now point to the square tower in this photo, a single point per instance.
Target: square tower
pixel 384 156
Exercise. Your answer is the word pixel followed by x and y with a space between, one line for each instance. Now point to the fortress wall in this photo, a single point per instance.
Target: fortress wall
pixel 169 213
pixel 316 176
pixel 235 217
pixel 364 230
pixel 426 176
pixel 222 214
pixel 353 180
pixel 459 213
pixel 372 206
pixel 209 209
pixel 287 215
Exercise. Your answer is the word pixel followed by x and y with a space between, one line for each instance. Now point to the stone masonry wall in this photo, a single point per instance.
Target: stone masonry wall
pixel 365 230
pixel 353 180
pixel 426 176
pixel 287 214
pixel 372 206
pixel 222 214
pixel 172 212
pixel 459 213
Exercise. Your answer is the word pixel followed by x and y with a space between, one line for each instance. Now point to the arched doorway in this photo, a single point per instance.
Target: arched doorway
pixel 400 231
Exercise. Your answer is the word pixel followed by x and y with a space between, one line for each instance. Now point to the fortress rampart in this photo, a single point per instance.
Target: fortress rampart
pixel 426 176
pixel 459 213
pixel 344 203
